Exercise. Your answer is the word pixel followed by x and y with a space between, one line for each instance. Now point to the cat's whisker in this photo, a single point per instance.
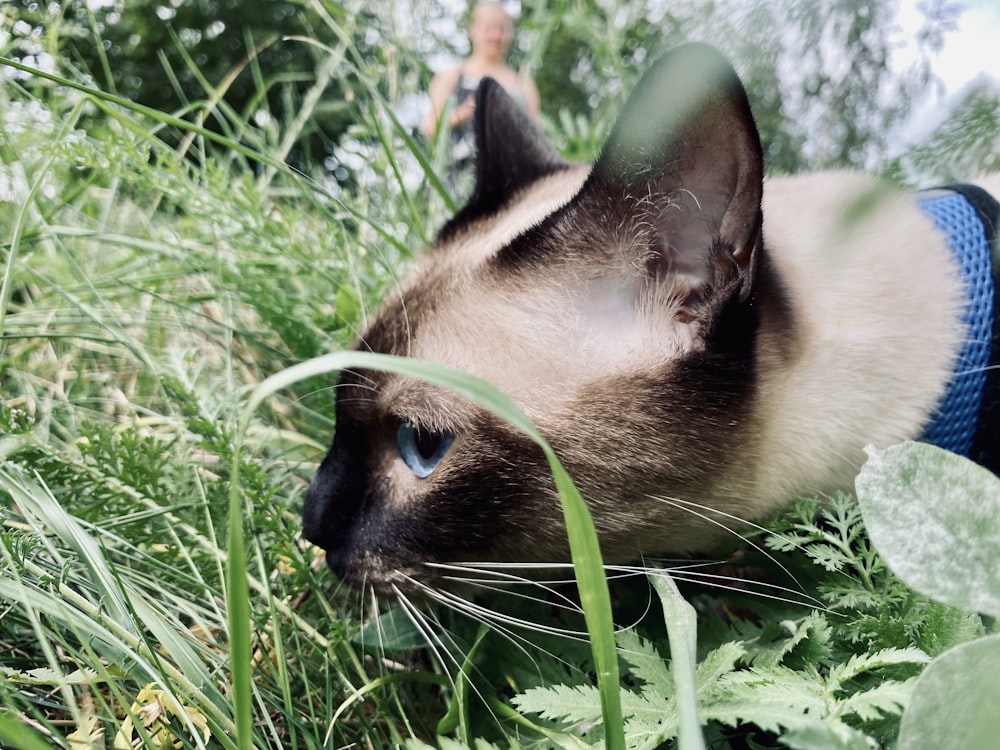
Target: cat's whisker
pixel 522 643
pixel 431 635
pixel 399 292
pixel 759 589
pixel 481 569
pixel 500 591
pixel 694 507
pixel 703 511
pixel 375 616
pixel 506 590
pixel 690 572
pixel 412 611
pixel 505 583
pixel 366 380
pixel 358 386
pixel 493 617
pixel 386 663
pixel 438 639
pixel 361 401
pixel 496 568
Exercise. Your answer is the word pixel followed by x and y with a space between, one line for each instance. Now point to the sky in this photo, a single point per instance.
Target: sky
pixel 972 50
pixel 975 47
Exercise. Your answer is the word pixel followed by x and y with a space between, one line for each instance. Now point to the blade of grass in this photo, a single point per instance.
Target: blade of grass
pixel 155 114
pixel 238 614
pixel 7 283
pixel 115 631
pixel 15 734
pixel 681 622
pixel 584 547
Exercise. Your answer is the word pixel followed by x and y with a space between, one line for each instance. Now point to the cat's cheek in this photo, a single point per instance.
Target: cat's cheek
pixel 402 492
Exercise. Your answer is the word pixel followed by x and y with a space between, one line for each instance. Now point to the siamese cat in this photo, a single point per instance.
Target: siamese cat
pixel 697 345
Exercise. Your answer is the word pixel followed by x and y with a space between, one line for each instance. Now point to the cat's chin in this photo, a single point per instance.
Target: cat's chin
pixel 416 584
pixel 388 579
pixel 368 573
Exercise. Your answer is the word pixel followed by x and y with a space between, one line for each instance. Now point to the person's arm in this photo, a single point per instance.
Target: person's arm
pixel 440 89
pixel 531 98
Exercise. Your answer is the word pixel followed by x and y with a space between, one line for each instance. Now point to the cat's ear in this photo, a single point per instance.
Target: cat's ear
pixel 683 168
pixel 511 153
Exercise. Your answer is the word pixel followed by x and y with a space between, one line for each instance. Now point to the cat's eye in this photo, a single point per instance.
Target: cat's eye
pixel 422 449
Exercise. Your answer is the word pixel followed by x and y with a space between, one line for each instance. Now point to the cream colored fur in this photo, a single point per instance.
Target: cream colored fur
pixel 689 375
pixel 870 372
pixel 832 236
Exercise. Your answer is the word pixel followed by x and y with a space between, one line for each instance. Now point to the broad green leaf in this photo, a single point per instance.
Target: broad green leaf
pixel 935 518
pixel 391 631
pixel 955 701
pixel 819 735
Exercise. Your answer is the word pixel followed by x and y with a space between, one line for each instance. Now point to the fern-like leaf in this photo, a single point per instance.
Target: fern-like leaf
pixel 566 704
pixel 887 699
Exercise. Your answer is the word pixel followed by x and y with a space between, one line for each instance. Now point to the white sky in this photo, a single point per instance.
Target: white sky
pixel 973 49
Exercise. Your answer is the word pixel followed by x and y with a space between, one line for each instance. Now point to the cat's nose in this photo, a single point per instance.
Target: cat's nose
pixel 324 527
pixel 336 560
pixel 323 520
pixel 313 513
pixel 332 502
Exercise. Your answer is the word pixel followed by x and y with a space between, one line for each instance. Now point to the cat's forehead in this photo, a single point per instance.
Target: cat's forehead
pixel 443 278
pixel 544 333
pixel 468 247
pixel 447 283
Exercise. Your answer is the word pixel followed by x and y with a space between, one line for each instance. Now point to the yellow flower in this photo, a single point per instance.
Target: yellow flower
pixel 162 717
pixel 87 737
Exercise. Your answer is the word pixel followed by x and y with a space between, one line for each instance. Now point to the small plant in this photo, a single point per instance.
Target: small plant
pixel 154 588
pixel 934 517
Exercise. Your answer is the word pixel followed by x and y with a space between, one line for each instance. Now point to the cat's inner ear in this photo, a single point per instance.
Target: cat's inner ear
pixel 511 154
pixel 682 174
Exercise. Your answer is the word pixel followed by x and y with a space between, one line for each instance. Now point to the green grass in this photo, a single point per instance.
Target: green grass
pixel 145 295
pixel 167 313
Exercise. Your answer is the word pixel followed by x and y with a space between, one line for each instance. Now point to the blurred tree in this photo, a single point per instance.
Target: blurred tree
pixel 236 62
pixel 965 145
pixel 819 75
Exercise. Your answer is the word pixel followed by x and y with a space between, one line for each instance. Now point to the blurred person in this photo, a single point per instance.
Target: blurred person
pixel 453 91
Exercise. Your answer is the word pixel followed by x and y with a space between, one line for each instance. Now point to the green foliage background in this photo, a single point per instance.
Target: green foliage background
pixel 160 259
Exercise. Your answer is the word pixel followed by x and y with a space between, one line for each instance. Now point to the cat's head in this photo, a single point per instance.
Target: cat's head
pixel 616 304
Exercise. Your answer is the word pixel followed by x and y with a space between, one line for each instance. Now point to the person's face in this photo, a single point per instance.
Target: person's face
pixel 490 31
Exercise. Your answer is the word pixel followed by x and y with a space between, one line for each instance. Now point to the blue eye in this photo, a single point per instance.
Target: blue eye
pixel 422 449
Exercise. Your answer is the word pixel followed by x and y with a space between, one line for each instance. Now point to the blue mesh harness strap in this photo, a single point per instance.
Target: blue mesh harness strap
pixel 967 419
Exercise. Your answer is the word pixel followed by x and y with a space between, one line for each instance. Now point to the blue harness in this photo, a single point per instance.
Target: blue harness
pixel 965 421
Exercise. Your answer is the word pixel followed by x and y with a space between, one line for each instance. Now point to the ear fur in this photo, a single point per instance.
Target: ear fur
pixel 684 162
pixel 511 153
